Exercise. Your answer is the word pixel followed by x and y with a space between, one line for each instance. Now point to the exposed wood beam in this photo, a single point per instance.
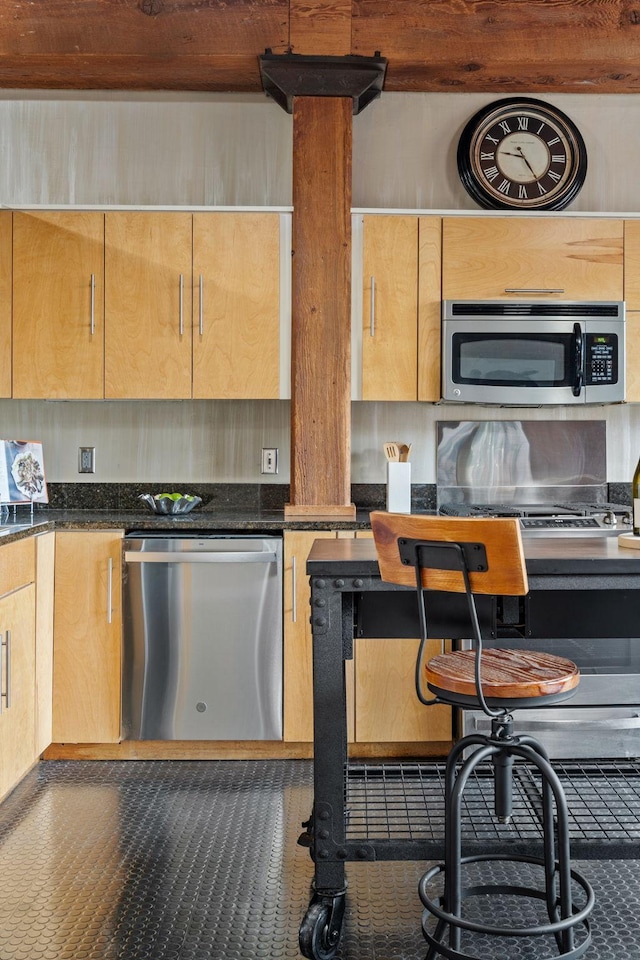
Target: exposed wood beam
pixel 320 27
pixel 321 308
pixel 497 46
pixel 500 46
pixel 139 44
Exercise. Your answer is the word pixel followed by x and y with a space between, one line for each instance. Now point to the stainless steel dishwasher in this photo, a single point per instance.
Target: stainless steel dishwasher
pixel 202 637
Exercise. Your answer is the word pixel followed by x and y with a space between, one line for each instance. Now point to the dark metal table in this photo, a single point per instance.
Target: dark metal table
pixel 394 810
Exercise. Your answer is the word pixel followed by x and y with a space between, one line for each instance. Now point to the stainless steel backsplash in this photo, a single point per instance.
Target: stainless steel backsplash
pixel 516 461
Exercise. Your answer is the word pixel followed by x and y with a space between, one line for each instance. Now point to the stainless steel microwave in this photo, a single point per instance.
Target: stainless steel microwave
pixel 534 352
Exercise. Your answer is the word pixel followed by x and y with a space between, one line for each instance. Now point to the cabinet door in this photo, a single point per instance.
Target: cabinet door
pixel 58 293
pixel 148 300
pixel 387 709
pixel 519 257
pixel 45 556
pixel 298 653
pixel 6 228
pixel 429 308
pixel 390 308
pixel 632 264
pixel 17 668
pixel 236 329
pixel 87 637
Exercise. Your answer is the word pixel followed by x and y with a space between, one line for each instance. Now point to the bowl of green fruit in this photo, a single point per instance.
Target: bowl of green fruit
pixel 170 503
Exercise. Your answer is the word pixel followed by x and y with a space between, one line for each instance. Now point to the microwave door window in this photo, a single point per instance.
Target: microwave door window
pixel 513 360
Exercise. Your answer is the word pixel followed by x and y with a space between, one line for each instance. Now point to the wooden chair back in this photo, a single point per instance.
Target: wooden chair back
pixel 505 572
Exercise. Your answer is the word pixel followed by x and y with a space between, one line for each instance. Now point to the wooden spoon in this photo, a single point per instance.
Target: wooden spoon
pixel 392 451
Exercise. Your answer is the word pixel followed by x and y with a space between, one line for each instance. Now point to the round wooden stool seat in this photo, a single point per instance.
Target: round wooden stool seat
pixel 505 674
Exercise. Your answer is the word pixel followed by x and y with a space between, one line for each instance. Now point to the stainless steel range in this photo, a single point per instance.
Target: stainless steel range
pixel 543 520
pixel 553 476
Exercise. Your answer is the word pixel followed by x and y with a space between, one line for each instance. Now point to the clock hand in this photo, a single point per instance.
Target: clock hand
pixel 521 154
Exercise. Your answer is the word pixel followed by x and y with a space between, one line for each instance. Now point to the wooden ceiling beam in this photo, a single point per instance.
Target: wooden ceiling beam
pixel 320 27
pixel 496 46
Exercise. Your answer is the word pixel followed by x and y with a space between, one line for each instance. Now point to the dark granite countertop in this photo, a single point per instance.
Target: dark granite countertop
pixel 232 519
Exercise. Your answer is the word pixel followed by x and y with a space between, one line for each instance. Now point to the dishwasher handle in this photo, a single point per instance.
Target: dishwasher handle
pixel 194 556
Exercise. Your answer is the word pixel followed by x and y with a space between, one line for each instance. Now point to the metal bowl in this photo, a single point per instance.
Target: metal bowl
pixel 172 507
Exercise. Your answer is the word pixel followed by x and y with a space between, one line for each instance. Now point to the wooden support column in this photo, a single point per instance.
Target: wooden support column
pixel 321 308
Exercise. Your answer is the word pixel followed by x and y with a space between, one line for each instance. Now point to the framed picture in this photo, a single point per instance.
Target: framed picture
pixel 22 477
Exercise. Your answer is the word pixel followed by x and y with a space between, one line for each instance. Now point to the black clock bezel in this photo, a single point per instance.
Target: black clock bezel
pixel 471 174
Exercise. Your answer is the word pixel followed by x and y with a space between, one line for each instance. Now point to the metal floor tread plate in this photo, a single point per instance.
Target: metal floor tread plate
pixel 182 860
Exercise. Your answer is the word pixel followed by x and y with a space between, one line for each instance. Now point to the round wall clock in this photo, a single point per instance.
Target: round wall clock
pixel 522 154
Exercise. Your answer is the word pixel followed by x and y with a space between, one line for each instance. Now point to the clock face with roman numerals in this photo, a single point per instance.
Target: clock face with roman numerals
pixel 522 154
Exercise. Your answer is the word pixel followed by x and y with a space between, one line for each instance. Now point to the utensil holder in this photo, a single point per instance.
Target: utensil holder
pixel 398 487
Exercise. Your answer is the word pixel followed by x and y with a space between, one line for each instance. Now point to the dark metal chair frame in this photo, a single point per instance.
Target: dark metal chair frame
pixel 500 747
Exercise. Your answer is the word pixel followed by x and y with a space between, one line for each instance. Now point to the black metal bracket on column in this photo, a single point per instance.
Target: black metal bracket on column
pixel 288 75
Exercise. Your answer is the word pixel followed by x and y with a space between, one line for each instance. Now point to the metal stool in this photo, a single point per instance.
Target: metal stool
pixel 485 556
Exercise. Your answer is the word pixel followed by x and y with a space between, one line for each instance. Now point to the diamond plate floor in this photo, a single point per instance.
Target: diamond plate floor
pixel 180 860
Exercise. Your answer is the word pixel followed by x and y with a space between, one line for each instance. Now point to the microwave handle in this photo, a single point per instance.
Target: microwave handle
pixel 578 346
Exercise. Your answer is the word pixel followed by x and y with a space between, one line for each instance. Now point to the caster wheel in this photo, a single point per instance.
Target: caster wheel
pixel 320 930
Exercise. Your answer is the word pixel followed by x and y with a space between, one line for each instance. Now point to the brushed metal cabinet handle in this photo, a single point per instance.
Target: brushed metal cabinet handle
pixel 93 304
pixel 532 290
pixel 2 644
pixel 181 300
pixel 200 305
pixel 6 643
pixel 372 309
pixel 294 584
pixel 110 590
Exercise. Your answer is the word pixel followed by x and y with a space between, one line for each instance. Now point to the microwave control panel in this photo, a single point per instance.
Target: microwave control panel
pixel 601 358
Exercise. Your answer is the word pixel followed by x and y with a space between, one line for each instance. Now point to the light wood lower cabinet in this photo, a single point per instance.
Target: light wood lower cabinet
pixel 387 709
pixel 87 637
pixel 17 720
pixel 298 659
pixel 45 558
pixel 17 662
pixel 382 706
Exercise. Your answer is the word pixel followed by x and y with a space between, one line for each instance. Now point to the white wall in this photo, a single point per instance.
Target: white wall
pixel 201 149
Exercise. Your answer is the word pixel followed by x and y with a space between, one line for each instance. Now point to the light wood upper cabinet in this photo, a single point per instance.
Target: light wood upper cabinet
pixel 87 637
pixel 520 257
pixel 6 230
pixel 58 328
pixel 148 305
pixel 632 264
pixel 236 327
pixel 429 308
pixel 390 307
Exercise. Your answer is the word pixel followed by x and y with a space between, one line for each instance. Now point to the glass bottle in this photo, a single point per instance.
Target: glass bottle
pixel 635 493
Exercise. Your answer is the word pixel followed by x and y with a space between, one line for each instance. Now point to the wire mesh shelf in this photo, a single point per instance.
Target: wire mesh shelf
pixel 391 804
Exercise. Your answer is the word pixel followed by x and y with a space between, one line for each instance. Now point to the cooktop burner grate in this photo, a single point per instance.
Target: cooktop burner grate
pixel 537 517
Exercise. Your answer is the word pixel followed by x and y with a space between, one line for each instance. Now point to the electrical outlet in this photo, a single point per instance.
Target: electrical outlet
pixel 86 459
pixel 269 460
